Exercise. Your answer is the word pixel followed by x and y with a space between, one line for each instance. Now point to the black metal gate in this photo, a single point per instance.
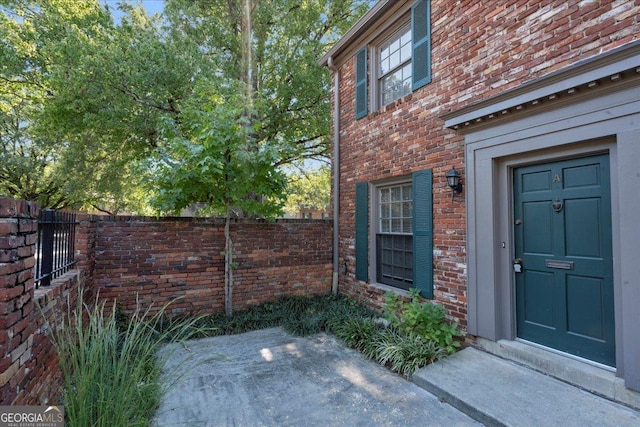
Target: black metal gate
pixel 55 245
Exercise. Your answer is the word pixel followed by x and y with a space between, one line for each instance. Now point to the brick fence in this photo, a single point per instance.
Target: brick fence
pixel 155 260
pixel 28 365
pixel 142 262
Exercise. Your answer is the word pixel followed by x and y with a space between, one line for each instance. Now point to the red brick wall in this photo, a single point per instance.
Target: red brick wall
pixel 28 364
pixel 153 261
pixel 144 261
pixel 479 49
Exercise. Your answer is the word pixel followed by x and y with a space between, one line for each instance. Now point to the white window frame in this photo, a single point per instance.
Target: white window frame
pixel 404 31
pixel 376 230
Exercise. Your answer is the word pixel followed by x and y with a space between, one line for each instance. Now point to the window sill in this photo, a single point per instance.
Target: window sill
pixel 388 288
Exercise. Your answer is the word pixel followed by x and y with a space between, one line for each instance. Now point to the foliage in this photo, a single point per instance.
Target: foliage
pixel 207 159
pixel 98 94
pixel 110 369
pixel 405 353
pixel 424 320
pixel 297 315
pixel 309 188
pixel 287 38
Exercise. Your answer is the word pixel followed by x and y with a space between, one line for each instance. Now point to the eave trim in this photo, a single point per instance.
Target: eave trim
pixel 604 69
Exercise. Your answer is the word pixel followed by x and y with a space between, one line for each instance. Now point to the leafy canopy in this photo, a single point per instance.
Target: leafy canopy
pixel 95 99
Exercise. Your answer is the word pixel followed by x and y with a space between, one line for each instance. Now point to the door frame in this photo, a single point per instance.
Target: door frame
pixel 559 116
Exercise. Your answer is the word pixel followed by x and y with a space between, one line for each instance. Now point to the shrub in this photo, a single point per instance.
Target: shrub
pixel 360 333
pixel 426 320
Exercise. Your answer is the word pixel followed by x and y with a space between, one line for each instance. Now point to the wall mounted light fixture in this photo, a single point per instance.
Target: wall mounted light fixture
pixel 453 179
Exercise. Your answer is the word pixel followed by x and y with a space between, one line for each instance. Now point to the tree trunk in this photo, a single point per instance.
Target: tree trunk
pixel 228 265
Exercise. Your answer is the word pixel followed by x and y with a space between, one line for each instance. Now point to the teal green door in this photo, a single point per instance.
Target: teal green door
pixel 563 266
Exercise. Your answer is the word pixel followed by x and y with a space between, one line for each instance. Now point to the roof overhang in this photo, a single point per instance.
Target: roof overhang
pixel 358 29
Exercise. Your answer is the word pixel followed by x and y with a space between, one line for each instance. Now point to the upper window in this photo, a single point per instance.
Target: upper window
pixel 399 65
pixel 394 67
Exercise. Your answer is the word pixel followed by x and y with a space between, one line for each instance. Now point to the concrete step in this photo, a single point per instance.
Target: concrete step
pixel 590 376
pixel 499 392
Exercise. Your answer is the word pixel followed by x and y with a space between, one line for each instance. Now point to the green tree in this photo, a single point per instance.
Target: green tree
pixel 276 54
pixel 103 92
pixel 309 188
pixel 27 169
pixel 206 159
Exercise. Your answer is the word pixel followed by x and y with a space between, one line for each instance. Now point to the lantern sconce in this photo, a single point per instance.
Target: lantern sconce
pixel 453 180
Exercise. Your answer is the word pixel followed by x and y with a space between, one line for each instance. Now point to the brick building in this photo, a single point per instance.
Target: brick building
pixel 536 105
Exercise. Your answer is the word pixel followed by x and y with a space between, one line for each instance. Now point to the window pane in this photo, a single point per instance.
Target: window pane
pixel 407 225
pixel 384 195
pixel 396 226
pixel 395 260
pixel 406 209
pixel 396 210
pixel 394 59
pixel 405 53
pixel 396 85
pixel 405 39
pixel 385 211
pixel 384 66
pixel 406 192
pixel 384 53
pixel 396 194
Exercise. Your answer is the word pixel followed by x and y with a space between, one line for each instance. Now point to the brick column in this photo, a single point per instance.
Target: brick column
pixel 85 252
pixel 18 235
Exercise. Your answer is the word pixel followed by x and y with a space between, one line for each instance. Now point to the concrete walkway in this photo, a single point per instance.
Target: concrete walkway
pixel 270 378
pixel 502 393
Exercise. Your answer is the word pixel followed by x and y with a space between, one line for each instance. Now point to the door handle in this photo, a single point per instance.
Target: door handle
pixel 517 265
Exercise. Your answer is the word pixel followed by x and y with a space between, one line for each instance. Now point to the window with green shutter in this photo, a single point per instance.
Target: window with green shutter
pixel 421 43
pixel 403 245
pixel 362 231
pixel 361 83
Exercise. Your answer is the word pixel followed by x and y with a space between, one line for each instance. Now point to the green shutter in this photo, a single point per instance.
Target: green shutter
pixel 361 83
pixel 423 232
pixel 421 44
pixel 362 231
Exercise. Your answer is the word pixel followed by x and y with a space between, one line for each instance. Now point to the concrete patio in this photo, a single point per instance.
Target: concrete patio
pixel 270 378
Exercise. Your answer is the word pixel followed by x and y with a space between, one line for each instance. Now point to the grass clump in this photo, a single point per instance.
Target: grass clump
pixel 297 315
pixel 110 369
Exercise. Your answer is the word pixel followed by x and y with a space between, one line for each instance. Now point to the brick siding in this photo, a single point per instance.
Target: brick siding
pixel 479 49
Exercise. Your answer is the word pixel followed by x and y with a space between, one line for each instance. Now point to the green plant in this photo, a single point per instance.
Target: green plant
pixel 110 369
pixel 404 353
pixel 359 333
pixel 423 319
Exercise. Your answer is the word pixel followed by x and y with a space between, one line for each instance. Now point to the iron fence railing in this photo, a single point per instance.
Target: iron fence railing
pixel 55 245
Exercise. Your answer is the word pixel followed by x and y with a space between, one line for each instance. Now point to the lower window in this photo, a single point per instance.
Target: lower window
pixel 394 238
pixel 395 260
